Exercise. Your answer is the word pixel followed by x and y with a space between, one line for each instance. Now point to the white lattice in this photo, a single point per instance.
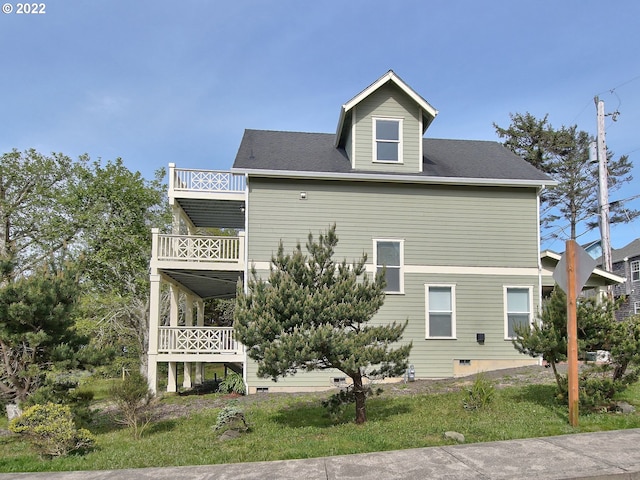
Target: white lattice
pixel 198 248
pixel 196 340
pixel 208 181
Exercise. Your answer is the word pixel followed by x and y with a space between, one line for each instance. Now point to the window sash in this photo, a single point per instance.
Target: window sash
pixel 389 256
pixel 635 271
pixel 387 139
pixel 440 311
pixel 517 309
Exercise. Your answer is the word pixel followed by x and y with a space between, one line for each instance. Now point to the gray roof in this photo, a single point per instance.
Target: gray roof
pixel 316 152
pixel 630 250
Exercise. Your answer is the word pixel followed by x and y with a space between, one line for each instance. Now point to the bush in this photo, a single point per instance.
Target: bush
pixel 481 393
pixel 51 431
pixel 231 416
pixel 232 383
pixel 133 398
pixel 63 390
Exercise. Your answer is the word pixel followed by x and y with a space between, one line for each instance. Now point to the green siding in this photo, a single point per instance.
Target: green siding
pixel 441 226
pixel 388 101
pixel 459 226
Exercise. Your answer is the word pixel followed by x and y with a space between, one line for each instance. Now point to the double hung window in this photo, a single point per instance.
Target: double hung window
pixel 635 271
pixel 389 255
pixel 441 312
pixel 387 134
pixel 517 309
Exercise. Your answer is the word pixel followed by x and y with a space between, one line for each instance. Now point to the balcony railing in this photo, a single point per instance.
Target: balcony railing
pixel 193 180
pixel 198 248
pixel 201 340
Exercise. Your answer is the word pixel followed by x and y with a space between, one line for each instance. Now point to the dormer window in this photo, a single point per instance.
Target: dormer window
pixel 387 140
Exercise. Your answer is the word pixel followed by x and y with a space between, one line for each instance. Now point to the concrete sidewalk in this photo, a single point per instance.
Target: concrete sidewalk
pixel 601 455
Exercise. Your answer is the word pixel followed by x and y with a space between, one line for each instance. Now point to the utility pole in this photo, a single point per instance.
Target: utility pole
pixel 603 189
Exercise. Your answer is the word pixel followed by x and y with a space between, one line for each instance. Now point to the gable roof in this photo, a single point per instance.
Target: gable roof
pixel 632 249
pixel 597 277
pixel 428 112
pixel 314 155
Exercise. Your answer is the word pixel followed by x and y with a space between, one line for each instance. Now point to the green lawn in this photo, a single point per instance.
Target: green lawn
pixel 298 427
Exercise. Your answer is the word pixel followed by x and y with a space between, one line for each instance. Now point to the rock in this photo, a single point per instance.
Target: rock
pixel 458 437
pixel 13 411
pixel 229 435
pixel 624 407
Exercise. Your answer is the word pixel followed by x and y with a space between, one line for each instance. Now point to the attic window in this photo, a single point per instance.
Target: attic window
pixel 387 140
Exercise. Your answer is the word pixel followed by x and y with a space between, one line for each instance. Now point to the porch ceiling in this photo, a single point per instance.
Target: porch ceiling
pixel 206 283
pixel 214 213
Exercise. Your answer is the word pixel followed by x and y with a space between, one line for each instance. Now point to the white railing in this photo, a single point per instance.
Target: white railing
pixel 197 340
pixel 193 180
pixel 199 248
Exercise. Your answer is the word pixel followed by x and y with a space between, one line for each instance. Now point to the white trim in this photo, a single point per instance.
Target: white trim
pixel 505 289
pixel 353 139
pixel 375 140
pixel 401 266
pixel 393 178
pixel 467 270
pixel 427 286
pixel 420 142
pixel 440 269
pixel 390 76
pixel 636 308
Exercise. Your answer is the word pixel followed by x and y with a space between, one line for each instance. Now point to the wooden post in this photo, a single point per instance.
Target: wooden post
pixel 572 333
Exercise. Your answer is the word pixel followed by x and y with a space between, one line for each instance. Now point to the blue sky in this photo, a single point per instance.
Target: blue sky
pixel 163 81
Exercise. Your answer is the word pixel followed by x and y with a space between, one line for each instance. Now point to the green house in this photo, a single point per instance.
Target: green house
pixel 455 223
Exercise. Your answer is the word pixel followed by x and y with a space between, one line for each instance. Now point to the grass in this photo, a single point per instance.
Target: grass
pixel 298 427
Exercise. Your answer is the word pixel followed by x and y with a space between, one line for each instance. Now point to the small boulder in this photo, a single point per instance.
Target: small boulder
pixel 229 435
pixel 624 407
pixel 458 437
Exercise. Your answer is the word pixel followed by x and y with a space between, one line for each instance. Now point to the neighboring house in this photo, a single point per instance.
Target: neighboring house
pixel 455 222
pixel 596 285
pixel 626 263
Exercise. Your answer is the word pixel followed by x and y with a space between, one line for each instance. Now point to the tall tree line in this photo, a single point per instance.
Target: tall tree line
pixel 74 249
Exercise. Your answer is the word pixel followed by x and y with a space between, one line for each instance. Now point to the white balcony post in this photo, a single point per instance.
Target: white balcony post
pixel 188 322
pixel 200 323
pixel 172 174
pixel 154 243
pixel 154 324
pixel 241 248
pixel 174 304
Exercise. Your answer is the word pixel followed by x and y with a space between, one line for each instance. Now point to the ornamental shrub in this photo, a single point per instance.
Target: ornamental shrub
pixel 480 394
pixel 133 398
pixel 51 431
pixel 232 383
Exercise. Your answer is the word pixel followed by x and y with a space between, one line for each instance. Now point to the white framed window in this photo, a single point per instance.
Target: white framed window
pixel 440 307
pixel 518 305
pixel 387 140
pixel 636 308
pixel 635 271
pixel 389 254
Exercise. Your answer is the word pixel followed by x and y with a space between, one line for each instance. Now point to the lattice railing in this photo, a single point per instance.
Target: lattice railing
pixel 199 248
pixel 197 340
pixel 186 179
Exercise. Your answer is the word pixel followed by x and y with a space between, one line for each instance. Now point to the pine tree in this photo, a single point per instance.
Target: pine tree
pixel 314 314
pixel 36 328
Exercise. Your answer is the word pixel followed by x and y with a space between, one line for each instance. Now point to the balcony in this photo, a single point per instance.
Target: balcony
pixel 202 249
pixel 194 344
pixel 207 266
